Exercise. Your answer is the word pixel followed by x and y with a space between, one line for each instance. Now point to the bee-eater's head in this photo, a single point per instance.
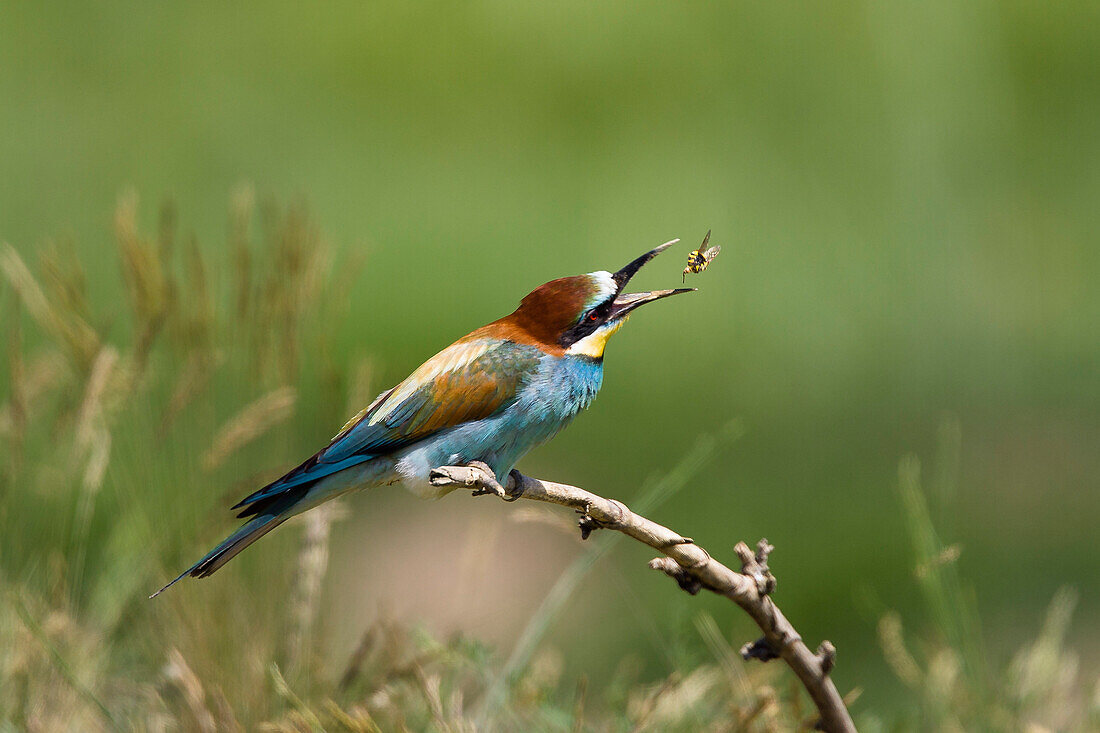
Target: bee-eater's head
pixel 577 315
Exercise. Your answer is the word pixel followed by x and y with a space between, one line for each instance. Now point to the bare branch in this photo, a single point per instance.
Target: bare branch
pixel 692 568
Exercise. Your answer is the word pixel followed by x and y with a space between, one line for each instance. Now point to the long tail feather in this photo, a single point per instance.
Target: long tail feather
pixel 270 511
pixel 230 546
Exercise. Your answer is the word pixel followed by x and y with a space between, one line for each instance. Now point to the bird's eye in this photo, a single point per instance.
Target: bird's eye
pixel 593 317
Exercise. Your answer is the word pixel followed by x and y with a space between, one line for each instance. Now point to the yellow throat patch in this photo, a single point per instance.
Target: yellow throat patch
pixel 593 344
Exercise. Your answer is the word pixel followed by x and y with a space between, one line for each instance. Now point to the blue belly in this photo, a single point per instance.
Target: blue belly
pixel 548 401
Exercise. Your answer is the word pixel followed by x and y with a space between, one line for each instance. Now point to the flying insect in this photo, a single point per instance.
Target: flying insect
pixel 698 259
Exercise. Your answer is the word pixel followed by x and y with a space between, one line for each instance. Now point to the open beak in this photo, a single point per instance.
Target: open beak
pixel 626 302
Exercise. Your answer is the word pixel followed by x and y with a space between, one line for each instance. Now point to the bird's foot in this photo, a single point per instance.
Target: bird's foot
pixel 487 482
pixel 478 476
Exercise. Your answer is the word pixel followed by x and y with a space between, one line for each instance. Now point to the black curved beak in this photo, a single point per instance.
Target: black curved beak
pixel 626 302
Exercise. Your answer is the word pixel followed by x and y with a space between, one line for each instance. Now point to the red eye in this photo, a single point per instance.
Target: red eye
pixel 593 317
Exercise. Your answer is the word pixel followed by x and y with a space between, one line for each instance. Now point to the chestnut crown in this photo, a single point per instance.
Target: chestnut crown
pixel 578 314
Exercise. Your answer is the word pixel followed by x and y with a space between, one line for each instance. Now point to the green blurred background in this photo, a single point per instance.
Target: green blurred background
pixel 906 196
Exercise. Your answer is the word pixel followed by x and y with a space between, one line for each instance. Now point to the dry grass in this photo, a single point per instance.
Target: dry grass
pixel 948 672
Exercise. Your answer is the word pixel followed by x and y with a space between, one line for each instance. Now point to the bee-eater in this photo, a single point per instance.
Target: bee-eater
pixel 487 398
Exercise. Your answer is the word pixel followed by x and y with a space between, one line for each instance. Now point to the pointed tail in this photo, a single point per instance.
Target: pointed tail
pixel 267 513
pixel 231 545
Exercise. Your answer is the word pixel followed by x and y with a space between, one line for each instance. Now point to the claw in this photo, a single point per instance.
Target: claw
pixel 488 480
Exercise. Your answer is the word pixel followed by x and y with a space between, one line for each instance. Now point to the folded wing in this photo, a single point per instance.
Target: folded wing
pixel 466 381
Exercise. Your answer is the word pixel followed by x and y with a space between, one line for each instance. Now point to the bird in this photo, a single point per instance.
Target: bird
pixel 485 400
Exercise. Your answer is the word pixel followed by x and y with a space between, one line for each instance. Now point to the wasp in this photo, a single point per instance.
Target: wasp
pixel 700 258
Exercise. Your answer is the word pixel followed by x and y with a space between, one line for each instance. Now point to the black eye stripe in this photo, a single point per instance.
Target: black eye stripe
pixel 589 321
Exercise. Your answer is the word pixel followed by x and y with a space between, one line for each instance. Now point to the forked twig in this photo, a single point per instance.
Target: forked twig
pixel 693 569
